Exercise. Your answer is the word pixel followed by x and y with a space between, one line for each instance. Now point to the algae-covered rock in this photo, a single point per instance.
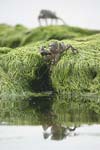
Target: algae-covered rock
pixel 79 73
pixel 11 36
pixel 18 71
pixel 23 70
pixel 15 36
pixel 5 50
pixel 55 32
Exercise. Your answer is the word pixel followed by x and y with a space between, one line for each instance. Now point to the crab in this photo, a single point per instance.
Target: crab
pixel 48 14
pixel 55 51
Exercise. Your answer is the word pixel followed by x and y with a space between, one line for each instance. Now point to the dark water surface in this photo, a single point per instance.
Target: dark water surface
pixel 57 122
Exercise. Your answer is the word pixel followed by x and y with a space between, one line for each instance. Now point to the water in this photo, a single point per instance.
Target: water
pixel 31 137
pixel 60 122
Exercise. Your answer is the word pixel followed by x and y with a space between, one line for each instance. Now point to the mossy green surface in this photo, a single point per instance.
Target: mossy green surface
pixel 11 36
pixel 22 69
pixel 55 32
pixel 79 72
pixel 18 71
pixel 4 50
pixel 15 36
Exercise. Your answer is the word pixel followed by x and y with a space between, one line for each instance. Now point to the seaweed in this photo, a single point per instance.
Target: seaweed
pixel 23 71
pixel 81 72
pixel 16 36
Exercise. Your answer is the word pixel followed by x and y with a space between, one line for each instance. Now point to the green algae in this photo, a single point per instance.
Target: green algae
pixel 15 36
pixel 55 32
pixel 23 70
pixel 79 73
pixel 5 50
pixel 18 70
pixel 11 36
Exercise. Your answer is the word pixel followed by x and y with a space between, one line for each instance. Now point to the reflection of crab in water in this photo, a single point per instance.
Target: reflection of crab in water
pixel 58 132
pixel 55 50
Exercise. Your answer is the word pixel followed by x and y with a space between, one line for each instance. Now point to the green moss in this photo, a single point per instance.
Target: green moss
pixel 4 27
pixel 80 72
pixel 15 36
pixel 24 71
pixel 18 71
pixel 55 32
pixel 5 50
pixel 11 36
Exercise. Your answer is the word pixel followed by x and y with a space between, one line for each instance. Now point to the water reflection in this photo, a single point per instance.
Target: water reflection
pixel 58 115
pixel 58 132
